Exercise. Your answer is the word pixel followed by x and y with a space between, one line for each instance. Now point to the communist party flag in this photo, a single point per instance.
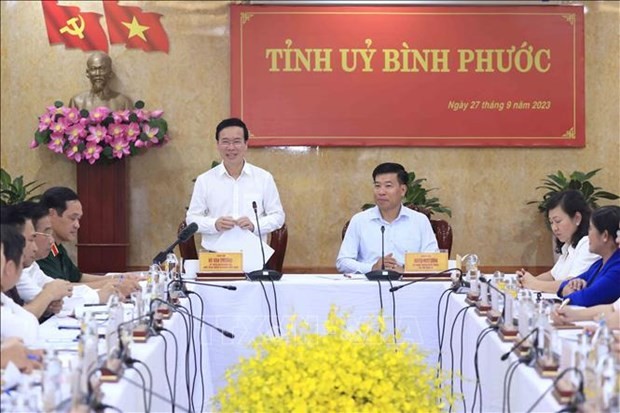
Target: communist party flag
pixel 74 28
pixel 135 28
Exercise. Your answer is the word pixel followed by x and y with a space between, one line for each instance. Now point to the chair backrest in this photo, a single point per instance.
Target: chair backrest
pixel 187 249
pixel 441 228
pixel 443 233
pixel 278 241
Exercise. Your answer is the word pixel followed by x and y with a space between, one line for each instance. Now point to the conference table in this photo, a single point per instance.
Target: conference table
pixel 155 355
pixel 310 297
pixel 246 313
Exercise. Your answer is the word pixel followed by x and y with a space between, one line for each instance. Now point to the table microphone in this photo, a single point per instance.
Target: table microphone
pixel 517 345
pixel 383 274
pixel 182 282
pixel 483 279
pixel 422 279
pixel 175 309
pixel 183 236
pixel 265 274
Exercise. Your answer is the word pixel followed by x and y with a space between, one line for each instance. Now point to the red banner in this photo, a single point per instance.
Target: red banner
pixel 70 26
pixel 135 28
pixel 409 76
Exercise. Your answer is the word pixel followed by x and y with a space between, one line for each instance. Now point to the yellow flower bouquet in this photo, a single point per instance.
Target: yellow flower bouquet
pixel 339 371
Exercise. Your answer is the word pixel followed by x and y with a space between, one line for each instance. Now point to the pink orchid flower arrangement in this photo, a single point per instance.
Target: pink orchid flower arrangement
pixel 101 133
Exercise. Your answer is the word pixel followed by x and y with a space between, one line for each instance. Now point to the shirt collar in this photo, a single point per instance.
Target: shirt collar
pixel 377 214
pixel 246 170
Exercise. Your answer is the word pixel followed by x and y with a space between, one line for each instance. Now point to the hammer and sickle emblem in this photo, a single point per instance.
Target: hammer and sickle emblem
pixel 73 28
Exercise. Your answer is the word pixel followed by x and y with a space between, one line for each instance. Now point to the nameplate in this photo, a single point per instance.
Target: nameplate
pixel 221 262
pixel 425 262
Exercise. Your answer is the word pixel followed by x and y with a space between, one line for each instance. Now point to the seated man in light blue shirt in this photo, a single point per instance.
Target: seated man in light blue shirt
pixel 405 229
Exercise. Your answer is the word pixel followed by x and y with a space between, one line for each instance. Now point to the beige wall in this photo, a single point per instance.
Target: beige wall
pixel 320 187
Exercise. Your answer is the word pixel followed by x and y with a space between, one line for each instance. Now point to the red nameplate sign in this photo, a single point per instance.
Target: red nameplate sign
pixel 409 76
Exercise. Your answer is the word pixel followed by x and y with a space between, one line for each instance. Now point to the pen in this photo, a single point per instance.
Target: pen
pixel 566 301
pixel 68 327
pixel 34 357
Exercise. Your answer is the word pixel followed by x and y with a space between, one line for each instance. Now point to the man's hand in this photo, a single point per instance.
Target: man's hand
pixel 390 264
pixel 245 223
pixel 224 223
pixel 58 289
pixel 14 350
pixel 106 291
pixel 127 285
pixel 55 306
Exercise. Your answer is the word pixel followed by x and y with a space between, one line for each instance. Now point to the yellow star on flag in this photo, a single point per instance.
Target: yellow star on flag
pixel 135 29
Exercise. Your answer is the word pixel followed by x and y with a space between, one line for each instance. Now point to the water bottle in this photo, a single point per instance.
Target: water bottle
pixel 52 381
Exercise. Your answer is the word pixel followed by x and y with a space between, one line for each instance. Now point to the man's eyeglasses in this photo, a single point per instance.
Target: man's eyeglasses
pixel 236 144
pixel 43 234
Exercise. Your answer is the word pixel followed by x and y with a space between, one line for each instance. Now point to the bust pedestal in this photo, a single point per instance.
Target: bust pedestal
pixel 103 237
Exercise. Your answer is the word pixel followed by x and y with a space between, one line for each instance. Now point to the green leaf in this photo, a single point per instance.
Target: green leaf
pixel 58 104
pixel 139 104
pixel 107 152
pixel 160 124
pixel 606 195
pixel 590 174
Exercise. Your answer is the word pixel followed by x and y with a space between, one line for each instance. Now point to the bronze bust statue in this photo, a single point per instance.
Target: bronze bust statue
pixel 99 72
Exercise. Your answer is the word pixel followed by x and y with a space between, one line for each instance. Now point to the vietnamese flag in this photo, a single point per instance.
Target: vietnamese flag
pixel 135 28
pixel 74 28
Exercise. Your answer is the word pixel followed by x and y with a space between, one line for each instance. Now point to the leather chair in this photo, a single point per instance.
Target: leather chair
pixel 441 228
pixel 278 240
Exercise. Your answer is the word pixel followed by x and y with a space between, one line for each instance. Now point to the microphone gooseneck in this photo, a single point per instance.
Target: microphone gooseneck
pixel 517 345
pixel 183 236
pixel 423 278
pixel 175 309
pixel 260 236
pixel 383 274
pixel 383 247
pixel 263 274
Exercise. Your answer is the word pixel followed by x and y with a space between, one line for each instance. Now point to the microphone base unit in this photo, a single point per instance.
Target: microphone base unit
pixel 564 391
pixel 142 333
pixel 164 312
pixel 508 334
pixel 493 317
pixel 472 297
pixel 547 367
pixel 383 275
pixel 264 275
pixel 112 371
pixel 482 309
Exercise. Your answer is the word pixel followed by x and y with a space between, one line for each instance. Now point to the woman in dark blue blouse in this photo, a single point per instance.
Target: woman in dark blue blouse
pixel 600 284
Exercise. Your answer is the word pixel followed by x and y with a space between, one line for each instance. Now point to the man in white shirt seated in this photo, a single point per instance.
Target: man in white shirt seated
pixel 14 320
pixel 34 286
pixel 405 229
pixel 223 196
pixel 19 216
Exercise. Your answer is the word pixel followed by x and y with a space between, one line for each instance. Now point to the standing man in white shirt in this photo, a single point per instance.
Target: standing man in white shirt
pixel 406 230
pixel 223 196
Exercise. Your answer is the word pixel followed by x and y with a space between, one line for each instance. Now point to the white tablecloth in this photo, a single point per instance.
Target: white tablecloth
pixel 526 385
pixel 310 297
pixel 244 312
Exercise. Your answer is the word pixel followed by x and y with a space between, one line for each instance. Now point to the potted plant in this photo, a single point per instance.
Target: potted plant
pixel 417 198
pixel 578 180
pixel 13 191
